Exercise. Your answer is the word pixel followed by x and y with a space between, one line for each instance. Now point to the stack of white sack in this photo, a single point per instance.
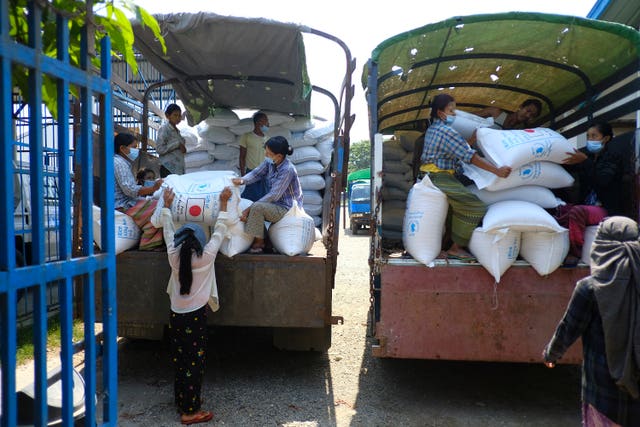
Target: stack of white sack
pixel 543 242
pixel 467 123
pixel 397 181
pixel 214 145
pixel 533 154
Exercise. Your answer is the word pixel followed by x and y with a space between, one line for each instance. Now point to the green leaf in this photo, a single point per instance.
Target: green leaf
pixel 149 21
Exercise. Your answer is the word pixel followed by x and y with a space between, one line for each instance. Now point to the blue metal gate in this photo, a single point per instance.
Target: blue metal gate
pixel 64 271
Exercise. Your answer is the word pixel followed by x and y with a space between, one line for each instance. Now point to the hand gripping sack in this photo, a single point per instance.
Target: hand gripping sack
pixel 496 251
pixel 197 197
pixel 424 221
pixel 295 233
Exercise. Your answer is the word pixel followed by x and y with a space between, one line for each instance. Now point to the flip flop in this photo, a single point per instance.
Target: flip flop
pixel 463 258
pixel 201 417
pixel 256 250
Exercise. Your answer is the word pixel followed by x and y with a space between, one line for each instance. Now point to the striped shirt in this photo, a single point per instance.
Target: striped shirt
pixel 282 181
pixel 126 191
pixel 445 147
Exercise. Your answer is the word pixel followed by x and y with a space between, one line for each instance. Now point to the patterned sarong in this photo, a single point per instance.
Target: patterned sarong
pixel 151 237
pixel 465 209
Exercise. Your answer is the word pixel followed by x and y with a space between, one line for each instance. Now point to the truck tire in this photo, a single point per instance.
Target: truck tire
pixel 302 339
pixel 354 228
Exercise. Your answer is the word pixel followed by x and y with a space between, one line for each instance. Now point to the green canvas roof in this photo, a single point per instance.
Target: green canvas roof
pixel 500 60
pixel 359 174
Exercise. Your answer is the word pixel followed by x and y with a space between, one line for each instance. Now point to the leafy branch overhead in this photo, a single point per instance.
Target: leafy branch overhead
pixel 106 19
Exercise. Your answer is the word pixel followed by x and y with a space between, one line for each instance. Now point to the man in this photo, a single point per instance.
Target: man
pixel 252 155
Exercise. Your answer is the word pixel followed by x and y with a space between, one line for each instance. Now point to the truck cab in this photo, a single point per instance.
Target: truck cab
pixel 359 195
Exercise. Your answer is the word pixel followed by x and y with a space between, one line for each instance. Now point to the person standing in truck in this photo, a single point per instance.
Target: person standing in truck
pixel 252 155
pixel 130 198
pixel 170 145
pixel 192 286
pixel 599 172
pixel 444 150
pixel 284 189
pixel 519 119
pixel 604 311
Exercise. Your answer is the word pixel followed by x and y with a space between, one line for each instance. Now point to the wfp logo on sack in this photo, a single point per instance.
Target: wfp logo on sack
pixel 413 227
pixel 529 171
pixel 541 150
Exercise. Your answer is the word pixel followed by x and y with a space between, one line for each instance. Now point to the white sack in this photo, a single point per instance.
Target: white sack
pixel 313 209
pixel 325 148
pixel 217 134
pixel 197 197
pixel 277 119
pixel 466 123
pixel 305 154
pixel 197 158
pixel 517 147
pixel 519 216
pixel 541 196
pixel 297 140
pixel 294 234
pixel 222 117
pixel 312 196
pixel 589 237
pixel 243 126
pixel 311 182
pixel 544 174
pixel 238 241
pixel 225 152
pixel 424 221
pixel 126 230
pixel 313 167
pixel 319 130
pixel 496 251
pixel 299 124
pixel 279 131
pixel 545 251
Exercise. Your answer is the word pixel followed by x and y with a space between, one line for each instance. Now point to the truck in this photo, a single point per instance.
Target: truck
pixel 214 62
pixel 359 200
pixel 582 70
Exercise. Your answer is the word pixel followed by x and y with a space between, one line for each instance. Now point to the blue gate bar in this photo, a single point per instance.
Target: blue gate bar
pixel 42 275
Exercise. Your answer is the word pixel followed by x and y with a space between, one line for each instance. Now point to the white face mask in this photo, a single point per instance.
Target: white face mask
pixel 269 160
pixel 149 183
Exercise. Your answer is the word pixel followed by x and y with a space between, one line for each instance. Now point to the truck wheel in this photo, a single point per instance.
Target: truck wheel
pixel 302 339
pixel 354 228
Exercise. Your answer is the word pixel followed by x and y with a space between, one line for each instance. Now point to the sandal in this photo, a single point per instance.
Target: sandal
pixel 462 258
pixel 257 250
pixel 200 417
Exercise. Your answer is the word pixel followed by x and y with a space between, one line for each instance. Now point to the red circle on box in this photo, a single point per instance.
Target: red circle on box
pixel 195 211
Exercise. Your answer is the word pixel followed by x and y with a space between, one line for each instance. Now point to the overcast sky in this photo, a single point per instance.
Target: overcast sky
pixel 362 26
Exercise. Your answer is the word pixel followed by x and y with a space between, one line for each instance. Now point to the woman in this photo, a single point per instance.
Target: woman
pixel 130 197
pixel 191 286
pixel 170 145
pixel 599 174
pixel 444 150
pixel 519 119
pixel 283 189
pixel 605 311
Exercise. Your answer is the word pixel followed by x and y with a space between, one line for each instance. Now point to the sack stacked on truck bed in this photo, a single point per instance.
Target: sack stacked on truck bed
pixel 214 145
pixel 397 181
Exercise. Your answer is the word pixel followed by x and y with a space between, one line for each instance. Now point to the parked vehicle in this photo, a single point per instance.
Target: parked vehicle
pixel 581 70
pixel 262 68
pixel 359 200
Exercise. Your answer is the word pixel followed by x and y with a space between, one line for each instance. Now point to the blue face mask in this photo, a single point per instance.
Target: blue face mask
pixel 133 154
pixel 594 146
pixel 148 183
pixel 450 120
pixel 269 160
pixel 264 128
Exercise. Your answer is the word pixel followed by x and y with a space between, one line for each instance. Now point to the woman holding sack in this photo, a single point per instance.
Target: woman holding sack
pixel 283 189
pixel 444 150
pixel 130 197
pixel 192 286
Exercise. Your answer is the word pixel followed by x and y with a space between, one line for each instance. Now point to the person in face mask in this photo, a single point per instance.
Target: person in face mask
pixel 130 197
pixel 442 156
pixel 146 177
pixel 284 189
pixel 597 190
pixel 252 154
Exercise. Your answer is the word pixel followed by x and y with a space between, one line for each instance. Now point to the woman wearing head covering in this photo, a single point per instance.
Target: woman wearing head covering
pixel 444 151
pixel 131 197
pixel 283 190
pixel 605 312
pixel 192 286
